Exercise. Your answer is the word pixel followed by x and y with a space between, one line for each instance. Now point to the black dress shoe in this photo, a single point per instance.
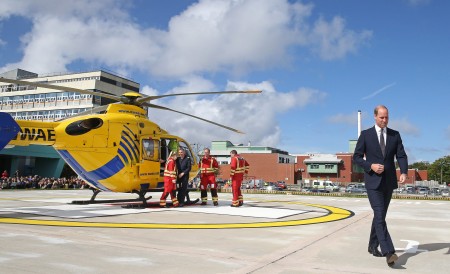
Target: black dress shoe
pixel 374 251
pixel 391 258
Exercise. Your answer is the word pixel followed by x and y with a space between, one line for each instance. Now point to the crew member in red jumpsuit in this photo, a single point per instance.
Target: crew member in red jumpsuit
pixel 170 181
pixel 208 169
pixel 239 167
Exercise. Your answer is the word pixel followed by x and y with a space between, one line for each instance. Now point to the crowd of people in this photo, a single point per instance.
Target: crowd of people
pixel 38 182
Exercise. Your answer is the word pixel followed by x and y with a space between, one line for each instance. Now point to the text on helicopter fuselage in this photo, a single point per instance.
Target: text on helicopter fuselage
pixel 36 134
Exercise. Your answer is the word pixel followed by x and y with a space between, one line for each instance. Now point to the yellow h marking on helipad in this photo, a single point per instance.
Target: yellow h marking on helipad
pixel 333 214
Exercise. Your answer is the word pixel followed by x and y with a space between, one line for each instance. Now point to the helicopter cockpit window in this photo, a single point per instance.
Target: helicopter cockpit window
pixel 150 149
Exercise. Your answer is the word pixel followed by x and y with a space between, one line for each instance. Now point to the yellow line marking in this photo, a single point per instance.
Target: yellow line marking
pixel 333 214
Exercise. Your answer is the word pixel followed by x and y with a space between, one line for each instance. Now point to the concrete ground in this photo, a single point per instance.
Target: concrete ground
pixel 272 233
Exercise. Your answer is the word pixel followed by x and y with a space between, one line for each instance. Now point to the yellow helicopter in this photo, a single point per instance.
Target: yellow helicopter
pixel 119 150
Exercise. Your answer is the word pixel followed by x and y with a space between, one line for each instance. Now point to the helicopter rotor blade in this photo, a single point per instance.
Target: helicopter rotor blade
pixel 62 88
pixel 91 111
pixel 193 116
pixel 149 98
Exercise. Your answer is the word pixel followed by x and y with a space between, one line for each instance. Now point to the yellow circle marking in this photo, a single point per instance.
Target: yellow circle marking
pixel 333 214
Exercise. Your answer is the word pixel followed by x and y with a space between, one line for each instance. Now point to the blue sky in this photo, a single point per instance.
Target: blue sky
pixel 317 62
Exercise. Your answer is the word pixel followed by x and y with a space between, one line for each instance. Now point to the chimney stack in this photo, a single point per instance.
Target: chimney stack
pixel 359 123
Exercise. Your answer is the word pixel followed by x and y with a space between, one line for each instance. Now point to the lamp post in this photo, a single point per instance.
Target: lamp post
pixel 198 148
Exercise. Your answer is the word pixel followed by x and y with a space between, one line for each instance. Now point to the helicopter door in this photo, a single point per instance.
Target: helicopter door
pixel 168 145
pixel 149 164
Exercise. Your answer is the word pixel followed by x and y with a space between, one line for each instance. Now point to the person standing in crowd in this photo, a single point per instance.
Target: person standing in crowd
pixel 208 169
pixel 5 174
pixel 170 181
pixel 239 166
pixel 184 167
pixel 375 152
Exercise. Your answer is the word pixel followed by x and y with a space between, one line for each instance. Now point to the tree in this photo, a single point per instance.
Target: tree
pixel 438 166
pixel 420 165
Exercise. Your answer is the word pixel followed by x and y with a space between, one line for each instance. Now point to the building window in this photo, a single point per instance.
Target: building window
pixel 314 166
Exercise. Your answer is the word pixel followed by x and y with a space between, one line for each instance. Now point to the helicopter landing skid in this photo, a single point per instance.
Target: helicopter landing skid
pixel 141 198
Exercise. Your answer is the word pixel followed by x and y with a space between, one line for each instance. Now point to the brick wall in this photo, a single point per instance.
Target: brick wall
pixel 265 167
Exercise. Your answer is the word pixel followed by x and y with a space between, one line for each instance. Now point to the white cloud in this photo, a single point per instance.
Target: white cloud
pixel 332 40
pixel 404 127
pixel 149 91
pixel 82 9
pixel 209 36
pixel 255 114
pixel 340 118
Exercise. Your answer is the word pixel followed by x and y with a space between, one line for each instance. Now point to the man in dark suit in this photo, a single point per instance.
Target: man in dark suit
pixel 184 167
pixel 374 152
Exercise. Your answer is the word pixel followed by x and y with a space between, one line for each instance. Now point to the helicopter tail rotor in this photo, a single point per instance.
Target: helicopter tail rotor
pixel 8 129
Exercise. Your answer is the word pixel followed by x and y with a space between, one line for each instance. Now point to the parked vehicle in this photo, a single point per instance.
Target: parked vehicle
pixel 327 186
pixel 281 185
pixel 444 193
pixel 435 191
pixel 254 184
pixel 422 191
pixel 271 186
pixel 409 190
pixel 349 187
pixel 359 189
pixel 220 183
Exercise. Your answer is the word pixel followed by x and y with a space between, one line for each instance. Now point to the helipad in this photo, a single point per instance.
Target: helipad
pixel 42 233
pixel 274 213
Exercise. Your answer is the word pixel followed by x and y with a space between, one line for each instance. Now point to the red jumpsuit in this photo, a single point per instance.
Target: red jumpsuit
pixel 208 168
pixel 239 166
pixel 170 183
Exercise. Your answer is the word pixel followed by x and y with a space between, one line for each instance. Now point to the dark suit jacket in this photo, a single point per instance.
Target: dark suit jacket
pixel 369 146
pixel 184 166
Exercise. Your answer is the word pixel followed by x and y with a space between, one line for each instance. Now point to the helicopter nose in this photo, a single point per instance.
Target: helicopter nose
pixel 83 126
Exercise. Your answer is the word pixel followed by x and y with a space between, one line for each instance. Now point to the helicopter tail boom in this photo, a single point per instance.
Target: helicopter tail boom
pixel 24 133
